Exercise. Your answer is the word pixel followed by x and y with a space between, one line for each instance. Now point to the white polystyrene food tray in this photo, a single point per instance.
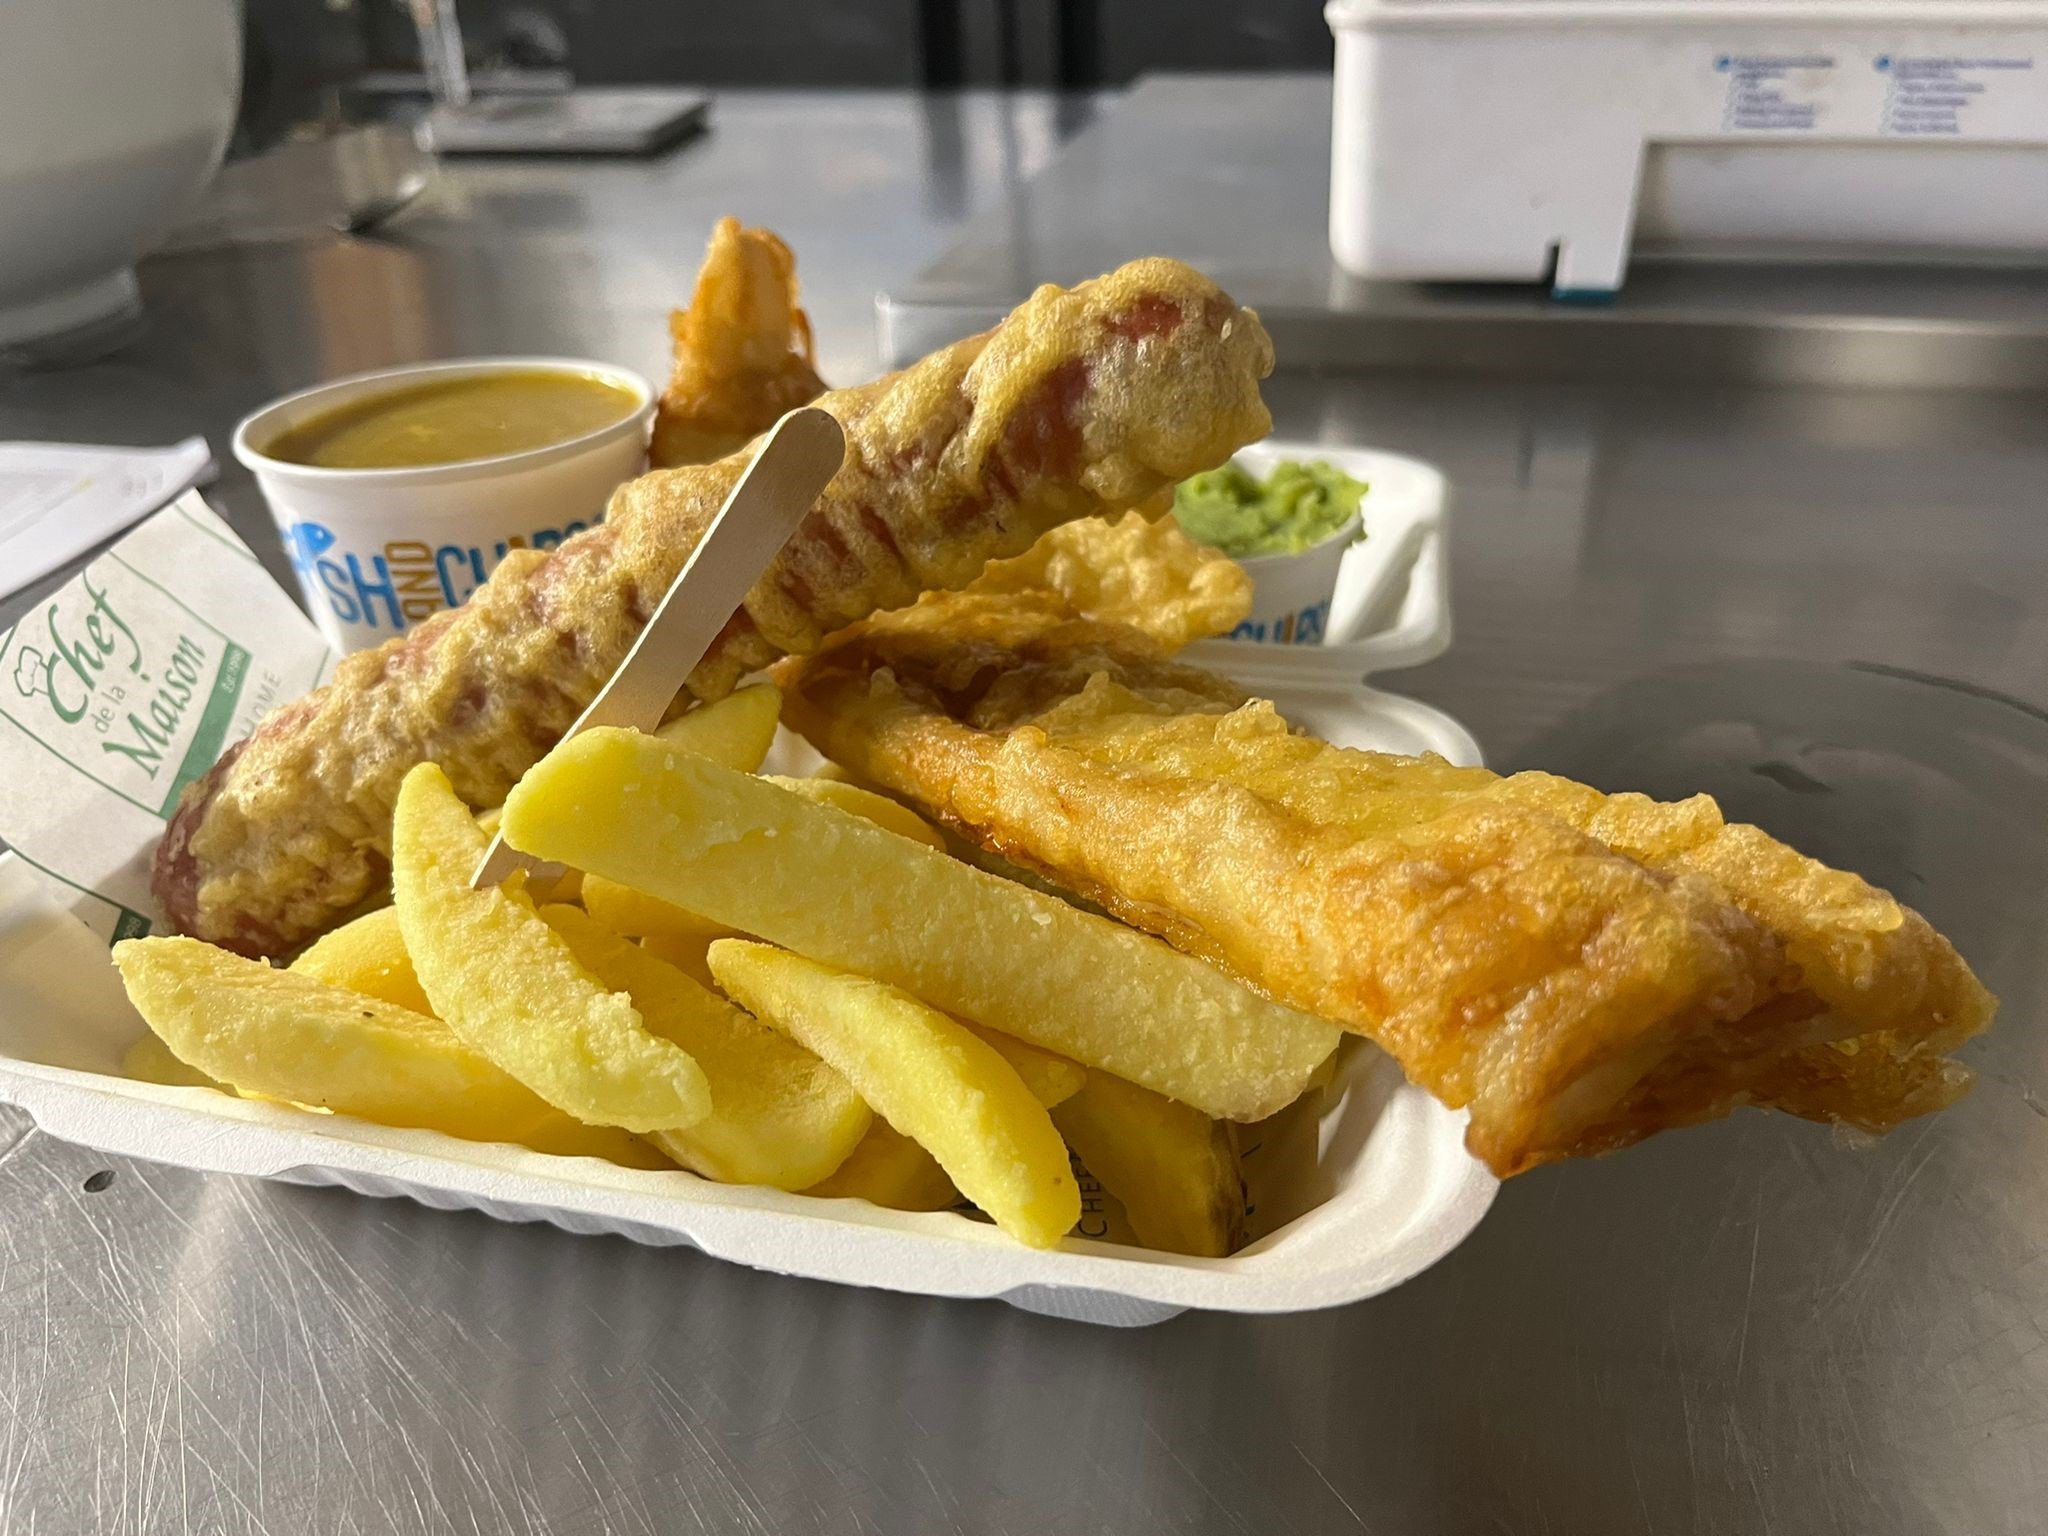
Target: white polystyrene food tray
pixel 1393 601
pixel 1390 1186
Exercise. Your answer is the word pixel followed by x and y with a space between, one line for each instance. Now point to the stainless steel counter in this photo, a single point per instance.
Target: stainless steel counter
pixel 1829 608
pixel 1232 172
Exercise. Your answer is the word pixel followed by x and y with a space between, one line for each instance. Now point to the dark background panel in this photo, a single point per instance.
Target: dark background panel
pixel 300 48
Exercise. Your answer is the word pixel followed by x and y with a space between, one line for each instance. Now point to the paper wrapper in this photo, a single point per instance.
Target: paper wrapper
pixel 122 687
pixel 57 500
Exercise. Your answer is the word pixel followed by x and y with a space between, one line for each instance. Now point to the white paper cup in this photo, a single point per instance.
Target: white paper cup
pixel 1292 594
pixel 378 550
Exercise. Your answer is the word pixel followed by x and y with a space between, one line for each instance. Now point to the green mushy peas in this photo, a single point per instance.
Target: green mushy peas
pixel 452 421
pixel 1295 506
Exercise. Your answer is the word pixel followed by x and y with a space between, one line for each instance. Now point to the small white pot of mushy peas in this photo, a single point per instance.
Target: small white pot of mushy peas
pixel 1289 531
pixel 397 493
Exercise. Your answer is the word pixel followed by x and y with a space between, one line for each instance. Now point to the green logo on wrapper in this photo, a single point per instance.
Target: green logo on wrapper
pixel 142 718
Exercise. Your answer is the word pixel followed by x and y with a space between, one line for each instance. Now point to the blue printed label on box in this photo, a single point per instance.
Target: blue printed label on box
pixel 381 591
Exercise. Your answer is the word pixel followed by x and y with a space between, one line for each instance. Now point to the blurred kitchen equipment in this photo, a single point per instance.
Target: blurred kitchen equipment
pixel 350 179
pixel 587 120
pixel 574 121
pixel 1537 140
pixel 1231 189
pixel 113 115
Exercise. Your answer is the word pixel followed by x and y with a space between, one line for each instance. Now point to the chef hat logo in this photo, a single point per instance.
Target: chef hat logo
pixel 31 673
pixel 306 542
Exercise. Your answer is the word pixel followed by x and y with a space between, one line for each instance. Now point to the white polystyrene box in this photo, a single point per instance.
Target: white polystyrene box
pixel 1353 1195
pixel 1523 140
pixel 1368 1193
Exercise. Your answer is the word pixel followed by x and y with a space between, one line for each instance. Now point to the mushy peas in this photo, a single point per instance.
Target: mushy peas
pixel 453 421
pixel 1295 506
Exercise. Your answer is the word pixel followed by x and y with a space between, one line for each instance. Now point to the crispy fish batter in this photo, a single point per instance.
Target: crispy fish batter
pixel 1139 570
pixel 1581 970
pixel 744 354
pixel 1081 402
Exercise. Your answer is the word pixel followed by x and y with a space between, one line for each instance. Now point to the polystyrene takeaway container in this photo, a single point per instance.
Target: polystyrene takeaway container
pixel 1532 140
pixel 1354 1189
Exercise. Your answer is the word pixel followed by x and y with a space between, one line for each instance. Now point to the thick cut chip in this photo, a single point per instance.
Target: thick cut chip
pixel 294 1038
pixel 686 955
pixel 936 1082
pixel 736 731
pixel 889 1169
pixel 508 985
pixel 857 801
pixel 641 916
pixel 1052 1078
pixel 779 1115
pixel 149 1060
pixel 1173 1169
pixel 367 955
pixel 286 1035
pixel 565 1136
pixel 852 895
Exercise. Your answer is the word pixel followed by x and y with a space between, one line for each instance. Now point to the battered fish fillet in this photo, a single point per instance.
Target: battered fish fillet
pixel 1579 969
pixel 1079 403
pixel 744 355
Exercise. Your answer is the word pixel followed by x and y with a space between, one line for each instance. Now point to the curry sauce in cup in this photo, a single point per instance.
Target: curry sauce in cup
pixel 397 493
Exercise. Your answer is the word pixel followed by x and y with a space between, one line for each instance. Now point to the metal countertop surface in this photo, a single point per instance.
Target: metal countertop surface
pixel 1827 607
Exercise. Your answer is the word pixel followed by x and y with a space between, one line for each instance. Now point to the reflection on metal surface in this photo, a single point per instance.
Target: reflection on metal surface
pixel 1234 173
pixel 1918 783
pixel 350 180
pixel 1741 1328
